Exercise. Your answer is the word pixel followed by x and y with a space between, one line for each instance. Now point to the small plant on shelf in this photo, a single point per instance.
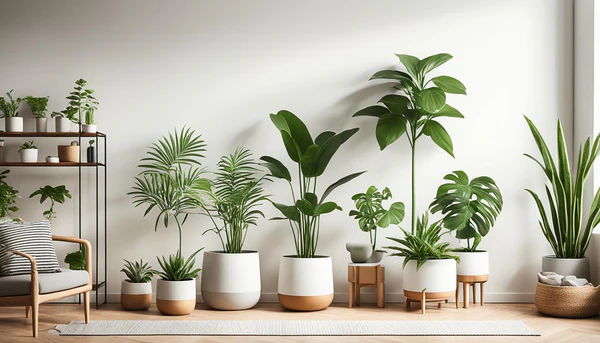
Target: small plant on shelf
pixel 38 105
pixel 138 272
pixel 28 152
pixel 8 197
pixel 27 145
pixel 69 113
pixel 9 106
pixel 55 195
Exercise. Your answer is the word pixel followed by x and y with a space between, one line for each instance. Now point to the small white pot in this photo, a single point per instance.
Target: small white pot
pixel 62 124
pixel 579 267
pixel 136 296
pixel 41 124
pixel 29 155
pixel 435 276
pixel 305 284
pixel 475 263
pixel 176 298
pixel 230 281
pixel 88 128
pixel 13 124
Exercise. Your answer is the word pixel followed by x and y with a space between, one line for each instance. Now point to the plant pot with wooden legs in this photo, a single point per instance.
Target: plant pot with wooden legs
pixel 136 290
pixel 174 186
pixel 9 108
pixel 39 106
pixel 306 279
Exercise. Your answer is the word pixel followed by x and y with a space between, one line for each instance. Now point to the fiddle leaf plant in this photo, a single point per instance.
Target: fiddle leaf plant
pixel 470 208
pixel 38 105
pixel 311 158
pixel 371 214
pixel 55 194
pixel 9 106
pixel 416 111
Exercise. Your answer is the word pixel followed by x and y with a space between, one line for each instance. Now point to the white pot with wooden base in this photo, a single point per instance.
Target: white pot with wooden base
pixel 176 298
pixel 435 281
pixel 305 284
pixel 136 296
pixel 230 281
pixel 473 269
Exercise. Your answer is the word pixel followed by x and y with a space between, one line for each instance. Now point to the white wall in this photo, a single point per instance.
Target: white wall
pixel 222 66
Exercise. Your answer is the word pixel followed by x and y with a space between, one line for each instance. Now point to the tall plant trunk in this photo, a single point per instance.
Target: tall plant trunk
pixel 413 206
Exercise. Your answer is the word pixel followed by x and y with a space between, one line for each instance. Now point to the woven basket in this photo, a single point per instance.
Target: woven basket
pixel 567 302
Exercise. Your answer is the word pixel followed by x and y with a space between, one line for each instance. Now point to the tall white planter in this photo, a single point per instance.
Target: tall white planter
pixel 176 298
pixel 475 263
pixel 13 124
pixel 29 155
pixel 305 284
pixel 231 281
pixel 136 296
pixel 62 124
pixel 434 281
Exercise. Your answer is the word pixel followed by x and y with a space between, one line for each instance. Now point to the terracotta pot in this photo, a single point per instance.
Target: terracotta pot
pixel 176 298
pixel 436 277
pixel 579 267
pixel 305 284
pixel 136 296
pixel 41 124
pixel 13 124
pixel 68 153
pixel 231 281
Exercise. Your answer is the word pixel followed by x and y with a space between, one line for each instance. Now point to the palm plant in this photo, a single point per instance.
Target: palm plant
pixel 8 197
pixel 138 272
pixel 566 233
pixel 371 214
pixel 423 245
pixel 417 109
pixel 9 107
pixel 311 157
pixel 38 105
pixel 236 196
pixel 470 208
pixel 56 194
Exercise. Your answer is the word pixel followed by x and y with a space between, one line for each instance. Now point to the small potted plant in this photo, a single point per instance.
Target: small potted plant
pixel 90 120
pixel 83 101
pixel 56 194
pixel 39 106
pixel 9 108
pixel 8 197
pixel 64 118
pixel 28 152
pixel 91 152
pixel 231 276
pixel 136 290
pixel 371 215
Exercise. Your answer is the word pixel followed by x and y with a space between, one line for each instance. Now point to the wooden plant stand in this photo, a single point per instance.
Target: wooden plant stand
pixel 472 280
pixel 426 297
pixel 365 275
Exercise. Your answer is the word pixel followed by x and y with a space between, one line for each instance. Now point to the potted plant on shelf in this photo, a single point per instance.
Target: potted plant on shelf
pixel 64 118
pixel 306 279
pixel 39 106
pixel 429 266
pixel 171 182
pixel 90 120
pixel 566 228
pixel 9 108
pixel 85 103
pixel 28 152
pixel 470 209
pixel 56 194
pixel 136 290
pixel 371 215
pixel 8 198
pixel 231 276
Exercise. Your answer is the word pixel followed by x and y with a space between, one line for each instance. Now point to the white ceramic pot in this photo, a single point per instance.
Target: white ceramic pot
pixel 29 155
pixel 62 124
pixel 88 128
pixel 41 124
pixel 13 124
pixel 579 267
pixel 475 263
pixel 176 298
pixel 52 159
pixel 305 284
pixel 230 281
pixel 436 277
pixel 136 296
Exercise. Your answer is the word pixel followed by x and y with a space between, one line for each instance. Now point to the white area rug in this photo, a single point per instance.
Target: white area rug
pixel 295 328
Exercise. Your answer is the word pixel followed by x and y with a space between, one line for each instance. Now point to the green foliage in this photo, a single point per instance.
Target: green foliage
pixel 27 145
pixel 55 194
pixel 138 272
pixel 92 141
pixel 312 158
pixel 423 245
pixel 77 259
pixel 38 105
pixel 236 196
pixel 371 214
pixel 177 268
pixel 416 111
pixel 69 113
pixel 81 102
pixel 565 232
pixel 469 208
pixel 9 107
pixel 8 197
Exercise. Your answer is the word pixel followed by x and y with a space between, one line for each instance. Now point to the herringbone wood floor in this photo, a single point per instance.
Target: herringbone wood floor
pixel 14 327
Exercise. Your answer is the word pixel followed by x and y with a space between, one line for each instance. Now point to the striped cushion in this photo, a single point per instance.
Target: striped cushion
pixel 34 239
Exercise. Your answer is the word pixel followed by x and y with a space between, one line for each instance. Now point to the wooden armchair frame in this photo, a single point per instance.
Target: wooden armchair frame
pixel 34 299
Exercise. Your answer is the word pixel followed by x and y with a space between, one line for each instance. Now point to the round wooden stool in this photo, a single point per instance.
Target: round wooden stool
pixel 472 280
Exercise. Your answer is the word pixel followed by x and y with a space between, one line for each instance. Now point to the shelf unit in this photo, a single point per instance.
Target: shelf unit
pixel 97 284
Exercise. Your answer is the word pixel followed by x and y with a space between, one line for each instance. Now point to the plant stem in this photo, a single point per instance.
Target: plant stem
pixel 413 206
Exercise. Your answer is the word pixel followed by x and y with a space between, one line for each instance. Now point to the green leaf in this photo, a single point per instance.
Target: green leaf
pixel 327 207
pixel 372 111
pixel 340 182
pixel 324 137
pixel 449 85
pixel 411 63
pixel 276 168
pixel 448 111
pixel 316 158
pixel 391 75
pixel 290 212
pixel 432 62
pixel 397 104
pixel 393 216
pixel 290 123
pixel 306 207
pixel 431 99
pixel 389 128
pixel 439 135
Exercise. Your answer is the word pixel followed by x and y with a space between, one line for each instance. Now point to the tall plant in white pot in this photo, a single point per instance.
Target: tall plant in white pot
pixel 172 183
pixel 231 276
pixel 306 279
pixel 9 108
pixel 39 106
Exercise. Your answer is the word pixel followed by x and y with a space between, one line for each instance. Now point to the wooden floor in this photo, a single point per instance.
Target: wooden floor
pixel 14 327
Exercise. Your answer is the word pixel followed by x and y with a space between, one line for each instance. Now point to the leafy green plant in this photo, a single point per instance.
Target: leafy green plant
pixel 565 230
pixel 56 194
pixel 27 145
pixel 138 272
pixel 371 214
pixel 69 113
pixel 81 102
pixel 77 259
pixel 236 196
pixel 417 109
pixel 92 141
pixel 470 208
pixel 177 268
pixel 423 245
pixel 38 105
pixel 8 197
pixel 312 158
pixel 9 107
